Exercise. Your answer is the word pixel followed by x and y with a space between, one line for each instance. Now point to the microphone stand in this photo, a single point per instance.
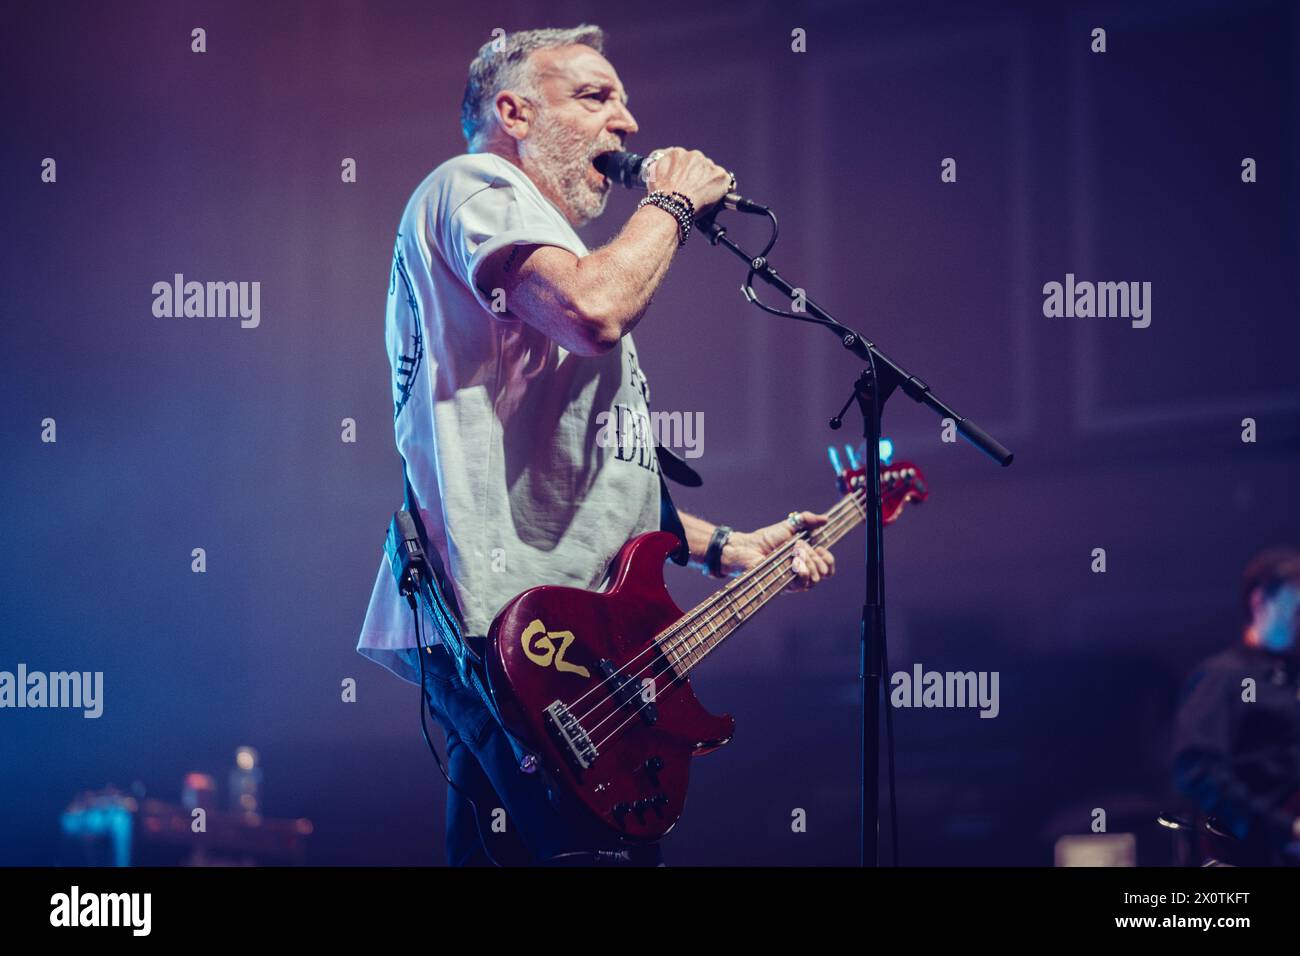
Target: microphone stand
pixel 871 389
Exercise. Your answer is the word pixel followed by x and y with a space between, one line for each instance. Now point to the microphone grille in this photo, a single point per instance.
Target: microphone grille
pixel 621 167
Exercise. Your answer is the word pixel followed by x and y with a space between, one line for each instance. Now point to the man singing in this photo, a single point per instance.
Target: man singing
pixel 512 356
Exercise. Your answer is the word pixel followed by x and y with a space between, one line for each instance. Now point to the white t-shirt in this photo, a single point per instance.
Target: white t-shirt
pixel 499 425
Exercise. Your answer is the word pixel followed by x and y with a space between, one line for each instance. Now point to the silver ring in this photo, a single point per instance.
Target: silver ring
pixel 795 520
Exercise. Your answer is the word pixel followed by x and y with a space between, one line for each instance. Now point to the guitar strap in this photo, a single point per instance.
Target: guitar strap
pixel 466 651
pixel 446 607
pixel 683 474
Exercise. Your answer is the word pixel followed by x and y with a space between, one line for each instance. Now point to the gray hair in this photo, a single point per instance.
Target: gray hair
pixel 502 64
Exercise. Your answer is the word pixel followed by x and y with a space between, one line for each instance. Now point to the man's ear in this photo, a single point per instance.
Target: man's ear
pixel 514 114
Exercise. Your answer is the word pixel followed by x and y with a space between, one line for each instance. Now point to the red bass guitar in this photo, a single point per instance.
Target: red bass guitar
pixel 597 683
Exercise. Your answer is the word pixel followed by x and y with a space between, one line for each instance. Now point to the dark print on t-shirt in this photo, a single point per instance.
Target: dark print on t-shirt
pixel 407 366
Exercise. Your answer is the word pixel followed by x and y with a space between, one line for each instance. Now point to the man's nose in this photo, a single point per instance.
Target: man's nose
pixel 623 121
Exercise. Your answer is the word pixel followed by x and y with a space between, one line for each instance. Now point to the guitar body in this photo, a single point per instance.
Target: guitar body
pixel 592 652
pixel 594 682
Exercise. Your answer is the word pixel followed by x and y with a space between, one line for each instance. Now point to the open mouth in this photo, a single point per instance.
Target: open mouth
pixel 601 162
pixel 609 170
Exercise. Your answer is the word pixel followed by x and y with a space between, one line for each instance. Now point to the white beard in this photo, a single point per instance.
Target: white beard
pixel 561 158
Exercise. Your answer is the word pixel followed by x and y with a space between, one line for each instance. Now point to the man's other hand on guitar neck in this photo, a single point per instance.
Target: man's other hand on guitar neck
pixel 744 549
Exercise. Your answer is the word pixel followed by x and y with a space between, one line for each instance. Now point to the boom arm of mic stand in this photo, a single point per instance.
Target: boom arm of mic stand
pixel 888 372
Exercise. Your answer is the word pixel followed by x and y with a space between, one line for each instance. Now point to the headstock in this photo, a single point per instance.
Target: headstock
pixel 901 482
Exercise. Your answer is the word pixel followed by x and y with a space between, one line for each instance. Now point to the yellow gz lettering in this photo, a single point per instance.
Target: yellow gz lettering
pixel 539 645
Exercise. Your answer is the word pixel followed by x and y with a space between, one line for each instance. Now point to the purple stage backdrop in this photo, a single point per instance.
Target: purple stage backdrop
pixel 933 165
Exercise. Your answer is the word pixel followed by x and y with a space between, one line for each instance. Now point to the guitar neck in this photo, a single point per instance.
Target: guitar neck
pixel 708 624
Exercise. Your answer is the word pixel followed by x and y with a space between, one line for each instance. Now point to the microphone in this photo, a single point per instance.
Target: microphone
pixel 629 169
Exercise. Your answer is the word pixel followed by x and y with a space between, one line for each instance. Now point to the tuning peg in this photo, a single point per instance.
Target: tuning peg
pixel 852 456
pixel 834 454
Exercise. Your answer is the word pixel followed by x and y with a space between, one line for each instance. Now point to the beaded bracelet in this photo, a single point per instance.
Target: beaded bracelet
pixel 690 206
pixel 675 208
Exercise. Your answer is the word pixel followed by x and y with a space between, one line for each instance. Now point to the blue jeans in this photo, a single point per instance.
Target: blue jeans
pixel 517 821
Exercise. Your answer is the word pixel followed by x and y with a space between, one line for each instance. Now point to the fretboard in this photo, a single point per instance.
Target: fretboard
pixel 690 639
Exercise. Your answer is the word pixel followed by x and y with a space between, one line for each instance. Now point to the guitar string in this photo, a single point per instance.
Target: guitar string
pixel 823 536
pixel 690 624
pixel 758 578
pixel 841 518
pixel 843 527
pixel 857 496
pixel 704 608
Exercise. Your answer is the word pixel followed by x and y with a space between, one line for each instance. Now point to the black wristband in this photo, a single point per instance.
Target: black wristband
pixel 713 556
